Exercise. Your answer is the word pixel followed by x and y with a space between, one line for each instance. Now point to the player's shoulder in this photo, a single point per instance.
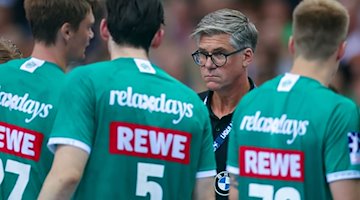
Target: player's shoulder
pixel 12 63
pixel 88 68
pixel 339 101
pixel 260 91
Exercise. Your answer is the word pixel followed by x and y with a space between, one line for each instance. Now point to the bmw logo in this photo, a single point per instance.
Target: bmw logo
pixel 222 183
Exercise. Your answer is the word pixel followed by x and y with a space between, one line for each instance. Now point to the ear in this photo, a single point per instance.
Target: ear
pixel 158 37
pixel 248 57
pixel 291 46
pixel 341 50
pixel 66 31
pixel 104 31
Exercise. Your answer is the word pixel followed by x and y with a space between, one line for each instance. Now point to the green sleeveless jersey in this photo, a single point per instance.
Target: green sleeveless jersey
pixel 29 92
pixel 292 137
pixel 148 135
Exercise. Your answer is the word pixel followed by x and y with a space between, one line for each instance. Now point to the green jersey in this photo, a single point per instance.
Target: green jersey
pixel 147 135
pixel 29 93
pixel 291 137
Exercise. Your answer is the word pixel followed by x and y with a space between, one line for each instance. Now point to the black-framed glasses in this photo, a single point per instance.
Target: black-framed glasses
pixel 219 59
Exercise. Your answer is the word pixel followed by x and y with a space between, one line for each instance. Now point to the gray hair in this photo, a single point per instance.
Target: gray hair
pixel 242 32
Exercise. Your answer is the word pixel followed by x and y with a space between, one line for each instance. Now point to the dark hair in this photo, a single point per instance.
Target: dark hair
pixel 134 22
pixel 47 16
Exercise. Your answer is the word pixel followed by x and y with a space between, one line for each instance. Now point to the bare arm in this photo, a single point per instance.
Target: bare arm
pixel 204 189
pixel 346 189
pixel 65 173
pixel 234 192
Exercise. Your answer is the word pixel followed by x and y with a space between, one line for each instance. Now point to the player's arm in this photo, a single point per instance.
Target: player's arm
pixel 345 189
pixel 234 191
pixel 204 189
pixel 65 174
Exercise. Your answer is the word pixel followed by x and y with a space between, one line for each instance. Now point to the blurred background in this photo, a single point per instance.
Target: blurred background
pixel 271 17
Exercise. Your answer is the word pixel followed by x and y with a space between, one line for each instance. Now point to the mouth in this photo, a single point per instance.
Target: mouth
pixel 210 76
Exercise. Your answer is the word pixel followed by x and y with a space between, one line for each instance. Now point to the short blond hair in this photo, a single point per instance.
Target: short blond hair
pixel 319 26
pixel 8 51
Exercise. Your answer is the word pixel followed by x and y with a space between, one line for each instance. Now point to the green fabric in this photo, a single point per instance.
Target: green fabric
pixel 305 125
pixel 137 100
pixel 29 94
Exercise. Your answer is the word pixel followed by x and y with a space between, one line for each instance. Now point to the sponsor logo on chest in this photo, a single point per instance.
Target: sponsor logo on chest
pixel 24 104
pixel 20 142
pixel 282 125
pixel 273 164
pixel 149 142
pixel 160 103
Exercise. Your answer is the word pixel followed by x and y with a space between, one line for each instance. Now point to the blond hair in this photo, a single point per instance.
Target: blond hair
pixel 319 27
pixel 8 51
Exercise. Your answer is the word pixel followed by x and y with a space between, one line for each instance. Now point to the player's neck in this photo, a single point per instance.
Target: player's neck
pixel 322 71
pixel 224 101
pixel 50 53
pixel 117 51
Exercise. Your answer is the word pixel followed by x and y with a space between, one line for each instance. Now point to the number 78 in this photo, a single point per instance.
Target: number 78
pixel 266 192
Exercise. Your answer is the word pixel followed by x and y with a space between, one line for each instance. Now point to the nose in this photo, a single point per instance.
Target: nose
pixel 209 63
pixel 91 34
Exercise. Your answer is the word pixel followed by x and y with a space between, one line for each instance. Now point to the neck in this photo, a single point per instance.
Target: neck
pixel 50 53
pixel 322 71
pixel 117 51
pixel 224 101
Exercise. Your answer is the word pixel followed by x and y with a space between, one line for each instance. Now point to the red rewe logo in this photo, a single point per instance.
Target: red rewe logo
pixel 271 163
pixel 20 141
pixel 150 142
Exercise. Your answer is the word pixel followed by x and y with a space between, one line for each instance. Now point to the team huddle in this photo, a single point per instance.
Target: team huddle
pixel 126 129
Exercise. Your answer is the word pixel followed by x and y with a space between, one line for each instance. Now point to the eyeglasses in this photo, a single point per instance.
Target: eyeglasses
pixel 219 59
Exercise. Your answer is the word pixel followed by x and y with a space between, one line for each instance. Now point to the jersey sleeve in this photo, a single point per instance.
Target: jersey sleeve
pixel 207 165
pixel 233 148
pixel 342 157
pixel 74 123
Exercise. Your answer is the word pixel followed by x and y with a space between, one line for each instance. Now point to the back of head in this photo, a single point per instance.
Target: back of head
pixel 8 51
pixel 47 16
pixel 134 22
pixel 226 21
pixel 319 27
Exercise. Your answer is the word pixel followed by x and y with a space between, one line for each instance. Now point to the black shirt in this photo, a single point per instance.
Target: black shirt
pixel 218 126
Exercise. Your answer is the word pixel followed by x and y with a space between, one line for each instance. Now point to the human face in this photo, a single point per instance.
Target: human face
pixel 228 75
pixel 81 38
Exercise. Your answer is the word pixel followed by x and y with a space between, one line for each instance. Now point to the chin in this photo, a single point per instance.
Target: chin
pixel 212 86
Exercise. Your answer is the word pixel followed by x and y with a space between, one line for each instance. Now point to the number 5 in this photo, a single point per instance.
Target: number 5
pixel 143 186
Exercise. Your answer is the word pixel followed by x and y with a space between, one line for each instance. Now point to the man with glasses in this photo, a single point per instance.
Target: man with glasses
pixel 226 41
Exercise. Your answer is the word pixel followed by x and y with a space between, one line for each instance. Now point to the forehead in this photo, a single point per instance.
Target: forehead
pixel 211 42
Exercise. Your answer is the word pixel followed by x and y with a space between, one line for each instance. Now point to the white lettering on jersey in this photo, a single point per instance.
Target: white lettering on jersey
pixel 354 147
pixel 25 105
pixel 271 163
pixel 281 125
pixel 151 103
pixel 20 142
pixel 152 142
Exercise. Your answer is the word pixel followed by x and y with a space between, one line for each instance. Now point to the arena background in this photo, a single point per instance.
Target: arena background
pixel 271 17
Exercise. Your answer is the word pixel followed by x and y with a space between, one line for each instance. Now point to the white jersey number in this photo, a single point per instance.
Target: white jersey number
pixel 23 170
pixel 143 186
pixel 266 192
